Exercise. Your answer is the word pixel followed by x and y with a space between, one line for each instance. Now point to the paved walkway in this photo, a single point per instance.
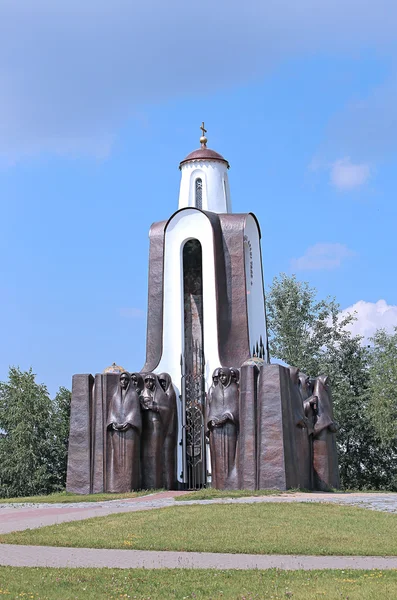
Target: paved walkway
pixel 47 556
pixel 15 517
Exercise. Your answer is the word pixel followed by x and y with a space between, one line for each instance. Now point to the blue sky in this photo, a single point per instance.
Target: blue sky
pixel 100 102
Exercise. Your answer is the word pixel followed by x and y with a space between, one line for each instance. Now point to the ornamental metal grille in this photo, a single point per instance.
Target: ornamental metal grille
pixel 193 392
pixel 199 193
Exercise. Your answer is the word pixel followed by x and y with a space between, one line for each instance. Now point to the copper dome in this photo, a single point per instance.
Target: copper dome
pixel 204 153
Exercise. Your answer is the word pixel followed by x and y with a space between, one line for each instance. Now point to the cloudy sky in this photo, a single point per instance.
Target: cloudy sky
pixel 101 100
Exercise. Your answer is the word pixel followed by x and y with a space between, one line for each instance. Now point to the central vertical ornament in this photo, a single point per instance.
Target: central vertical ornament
pixel 193 391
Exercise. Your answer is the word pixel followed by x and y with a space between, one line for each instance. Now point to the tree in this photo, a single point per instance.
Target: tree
pixel 310 334
pixel 383 385
pixel 363 461
pixel 301 327
pixel 60 433
pixel 32 455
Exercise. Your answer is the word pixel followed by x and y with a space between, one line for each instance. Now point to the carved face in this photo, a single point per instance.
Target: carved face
pixel 163 383
pixel 223 377
pixel 234 375
pixel 124 381
pixel 134 380
pixel 150 382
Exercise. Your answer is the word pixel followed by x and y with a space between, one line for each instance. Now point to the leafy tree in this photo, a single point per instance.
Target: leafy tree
pixel 301 327
pixel 60 435
pixel 32 454
pixel 363 461
pixel 310 334
pixel 383 385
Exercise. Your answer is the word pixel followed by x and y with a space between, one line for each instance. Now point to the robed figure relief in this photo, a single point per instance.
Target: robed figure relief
pixel 310 409
pixel 302 442
pixel 154 404
pixel 222 422
pixel 169 418
pixel 325 458
pixel 124 426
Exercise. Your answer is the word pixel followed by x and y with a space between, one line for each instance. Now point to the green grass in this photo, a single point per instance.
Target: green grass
pixel 211 493
pixel 268 528
pixel 183 584
pixel 66 497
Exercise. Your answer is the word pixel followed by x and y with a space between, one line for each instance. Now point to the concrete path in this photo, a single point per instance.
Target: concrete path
pixel 14 517
pixel 46 556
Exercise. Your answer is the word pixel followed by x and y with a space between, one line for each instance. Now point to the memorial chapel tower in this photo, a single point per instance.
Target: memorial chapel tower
pixel 206 305
pixel 207 408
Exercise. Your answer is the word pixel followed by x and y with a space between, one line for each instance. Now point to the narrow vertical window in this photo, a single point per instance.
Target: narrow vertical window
pixel 199 193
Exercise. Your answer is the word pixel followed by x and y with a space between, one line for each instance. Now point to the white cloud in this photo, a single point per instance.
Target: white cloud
pixel 370 317
pixel 322 257
pixel 346 176
pixel 72 72
pixel 131 313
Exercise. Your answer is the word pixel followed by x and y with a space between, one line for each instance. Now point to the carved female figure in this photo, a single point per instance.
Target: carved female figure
pixel 310 408
pixel 299 428
pixel 222 423
pixel 124 426
pixel 325 459
pixel 153 402
pixel 169 416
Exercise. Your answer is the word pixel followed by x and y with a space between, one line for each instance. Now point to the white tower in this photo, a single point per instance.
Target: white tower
pixel 206 304
pixel 204 180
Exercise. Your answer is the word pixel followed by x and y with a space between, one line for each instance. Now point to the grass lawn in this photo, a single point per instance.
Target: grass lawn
pixel 271 528
pixel 183 584
pixel 210 494
pixel 65 497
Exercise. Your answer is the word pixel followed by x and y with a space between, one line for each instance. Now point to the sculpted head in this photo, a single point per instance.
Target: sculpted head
pixel 223 376
pixel 215 377
pixel 124 380
pixel 137 381
pixel 165 381
pixel 235 375
pixel 150 381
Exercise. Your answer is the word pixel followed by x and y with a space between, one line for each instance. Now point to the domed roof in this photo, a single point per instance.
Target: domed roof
pixel 204 153
pixel 254 361
pixel 114 369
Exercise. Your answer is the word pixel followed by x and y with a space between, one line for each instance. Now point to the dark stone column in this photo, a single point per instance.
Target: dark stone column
pixel 79 455
pixel 277 462
pixel 98 436
pixel 247 463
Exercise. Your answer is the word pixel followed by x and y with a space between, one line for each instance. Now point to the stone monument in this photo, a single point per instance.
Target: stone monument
pixel 207 407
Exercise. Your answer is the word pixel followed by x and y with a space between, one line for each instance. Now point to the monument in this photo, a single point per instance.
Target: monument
pixel 207 407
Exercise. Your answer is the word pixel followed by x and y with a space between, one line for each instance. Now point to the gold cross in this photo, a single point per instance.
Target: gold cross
pixel 203 129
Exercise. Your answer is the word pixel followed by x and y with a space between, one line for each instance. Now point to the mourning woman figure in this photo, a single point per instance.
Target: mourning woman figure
pixel 325 458
pixel 300 432
pixel 222 423
pixel 169 418
pixel 124 426
pixel 153 402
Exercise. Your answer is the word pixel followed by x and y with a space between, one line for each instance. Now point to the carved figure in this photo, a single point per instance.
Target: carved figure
pixel 222 423
pixel 169 416
pixel 153 401
pixel 124 426
pixel 137 382
pixel 300 432
pixel 235 375
pixel 325 459
pixel 309 401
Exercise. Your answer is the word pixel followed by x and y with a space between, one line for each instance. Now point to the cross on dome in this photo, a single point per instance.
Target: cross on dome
pixel 203 139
